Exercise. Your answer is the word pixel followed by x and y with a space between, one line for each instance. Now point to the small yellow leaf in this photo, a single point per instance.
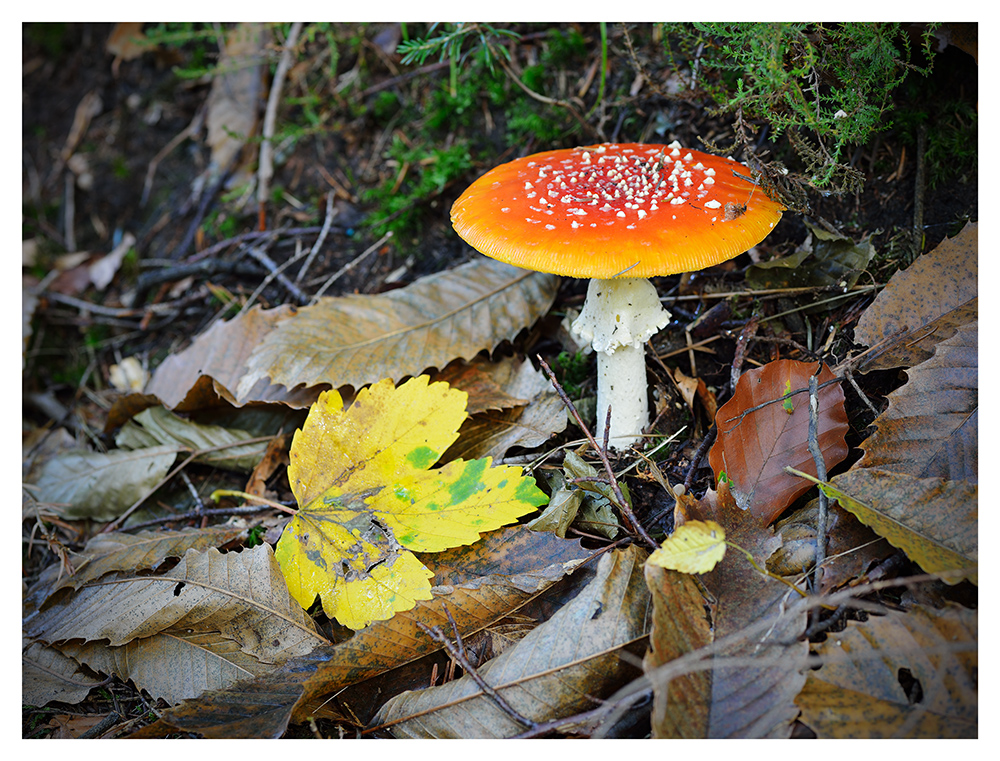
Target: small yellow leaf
pixel 367 496
pixel 695 547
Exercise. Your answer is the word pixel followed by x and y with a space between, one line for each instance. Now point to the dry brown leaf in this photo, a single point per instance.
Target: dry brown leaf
pixel 357 339
pixel 858 692
pixel 508 551
pixel 754 447
pixel 492 432
pixel 102 485
pixel 265 706
pixel 680 626
pixel 235 100
pixel 175 664
pixel 560 668
pixel 935 522
pixel 931 427
pixel 47 675
pixel 145 550
pixel 211 368
pixel 240 594
pixel 752 701
pixel 923 304
pixel 71 727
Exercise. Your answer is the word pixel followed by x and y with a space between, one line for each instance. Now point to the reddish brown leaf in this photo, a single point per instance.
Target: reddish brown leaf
pixel 764 428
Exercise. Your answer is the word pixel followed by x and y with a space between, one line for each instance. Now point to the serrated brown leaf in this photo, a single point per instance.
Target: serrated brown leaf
pixel 857 693
pixel 47 675
pixel 754 446
pixel 358 339
pixel 144 550
pixel 240 594
pixel 934 521
pixel 931 427
pixel 923 304
pixel 175 664
pixel 560 668
pixel 264 707
pixel 207 373
pixel 492 432
pixel 508 551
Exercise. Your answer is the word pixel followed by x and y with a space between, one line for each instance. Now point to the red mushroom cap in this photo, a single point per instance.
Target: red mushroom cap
pixel 601 211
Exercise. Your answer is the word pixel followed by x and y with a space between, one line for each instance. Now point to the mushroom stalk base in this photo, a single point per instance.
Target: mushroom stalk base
pixel 621 383
pixel 618 317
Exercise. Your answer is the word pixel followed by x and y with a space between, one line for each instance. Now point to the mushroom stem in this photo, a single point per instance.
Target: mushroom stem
pixel 618 317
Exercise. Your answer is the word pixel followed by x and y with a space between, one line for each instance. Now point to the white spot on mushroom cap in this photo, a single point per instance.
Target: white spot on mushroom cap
pixel 713 204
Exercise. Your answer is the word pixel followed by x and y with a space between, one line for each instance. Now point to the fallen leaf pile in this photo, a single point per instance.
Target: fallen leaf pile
pixel 408 532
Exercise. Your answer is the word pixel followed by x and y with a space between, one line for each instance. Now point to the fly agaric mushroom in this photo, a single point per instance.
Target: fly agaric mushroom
pixel 618 214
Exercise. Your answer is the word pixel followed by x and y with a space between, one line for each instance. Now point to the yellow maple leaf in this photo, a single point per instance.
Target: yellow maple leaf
pixel 695 547
pixel 367 496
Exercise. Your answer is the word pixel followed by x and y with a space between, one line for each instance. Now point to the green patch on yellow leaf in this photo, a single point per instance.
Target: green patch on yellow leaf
pixel 695 547
pixel 367 498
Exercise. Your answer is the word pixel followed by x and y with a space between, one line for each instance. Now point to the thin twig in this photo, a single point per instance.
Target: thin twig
pixel 457 652
pixel 587 126
pixel 817 455
pixel 275 272
pixel 747 335
pixel 266 169
pixel 189 131
pixel 208 196
pixel 69 211
pixel 222 245
pixel 849 374
pixel 602 453
pixel 320 240
pixel 699 455
pixel 208 511
pixel 349 266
